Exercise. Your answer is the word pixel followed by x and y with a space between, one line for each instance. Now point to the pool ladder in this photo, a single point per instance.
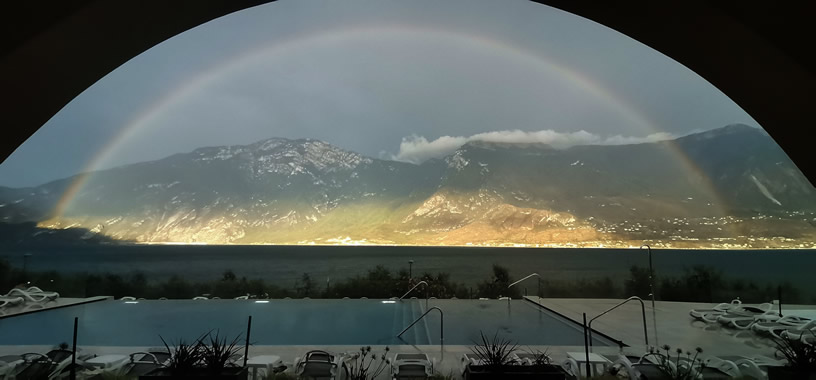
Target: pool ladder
pixel 441 325
pixel 416 286
pixel 642 309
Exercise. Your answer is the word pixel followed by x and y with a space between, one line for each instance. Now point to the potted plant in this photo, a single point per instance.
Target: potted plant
pixel 800 356
pixel 497 361
pixel 210 357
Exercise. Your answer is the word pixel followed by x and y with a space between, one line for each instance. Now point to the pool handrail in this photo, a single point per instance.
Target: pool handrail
pixel 643 312
pixel 526 277
pixel 441 325
pixel 416 286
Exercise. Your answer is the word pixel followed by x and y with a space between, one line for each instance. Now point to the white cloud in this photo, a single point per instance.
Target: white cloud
pixel 417 149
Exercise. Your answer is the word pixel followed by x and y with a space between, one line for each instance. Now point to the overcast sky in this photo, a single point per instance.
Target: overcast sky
pixel 403 80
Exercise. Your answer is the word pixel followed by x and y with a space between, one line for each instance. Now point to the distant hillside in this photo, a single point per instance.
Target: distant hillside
pixel 730 187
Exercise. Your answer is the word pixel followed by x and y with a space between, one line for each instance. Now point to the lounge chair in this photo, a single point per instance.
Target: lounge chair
pixel 469 359
pixel 526 358
pixel 642 368
pixel 7 364
pixel 744 316
pixel 740 310
pixel 753 366
pixel 784 323
pixel 35 297
pixel 716 310
pixel 411 366
pixel 10 301
pixel 805 333
pixel 319 365
pixel 38 366
pixel 133 365
pixel 715 367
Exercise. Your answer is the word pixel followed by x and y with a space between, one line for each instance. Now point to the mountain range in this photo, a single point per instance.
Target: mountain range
pixel 728 187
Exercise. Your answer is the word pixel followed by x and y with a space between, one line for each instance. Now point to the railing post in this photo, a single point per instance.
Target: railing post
pixel 586 349
pixel 651 291
pixel 73 351
pixel 246 346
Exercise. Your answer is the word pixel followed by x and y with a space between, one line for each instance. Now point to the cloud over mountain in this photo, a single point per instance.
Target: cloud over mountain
pixel 417 149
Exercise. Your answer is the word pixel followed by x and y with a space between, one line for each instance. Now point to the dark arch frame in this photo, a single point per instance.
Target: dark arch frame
pixel 758 54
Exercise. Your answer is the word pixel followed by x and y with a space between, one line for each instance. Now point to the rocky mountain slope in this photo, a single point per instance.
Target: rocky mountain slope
pixel 728 187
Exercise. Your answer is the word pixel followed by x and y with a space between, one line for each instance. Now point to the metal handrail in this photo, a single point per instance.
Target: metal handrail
pixel 643 311
pixel 416 286
pixel 528 276
pixel 441 325
pixel 651 290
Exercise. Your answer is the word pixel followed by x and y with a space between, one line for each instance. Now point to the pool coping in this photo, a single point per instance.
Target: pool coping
pixel 81 301
pixel 579 324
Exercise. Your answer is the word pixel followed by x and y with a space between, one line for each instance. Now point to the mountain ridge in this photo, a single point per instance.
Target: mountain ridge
pixel 743 191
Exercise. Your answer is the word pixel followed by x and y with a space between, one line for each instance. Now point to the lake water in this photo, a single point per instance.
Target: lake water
pixel 284 265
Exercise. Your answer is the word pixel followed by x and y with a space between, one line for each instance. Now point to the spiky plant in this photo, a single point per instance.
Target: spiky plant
pixel 800 355
pixel 365 365
pixel 217 353
pixel 184 356
pixel 539 357
pixel 496 352
pixel 671 365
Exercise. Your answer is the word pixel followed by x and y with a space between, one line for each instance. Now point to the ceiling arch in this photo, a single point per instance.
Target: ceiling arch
pixel 760 56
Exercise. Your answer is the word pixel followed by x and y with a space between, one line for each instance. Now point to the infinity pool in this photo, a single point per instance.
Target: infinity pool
pixel 294 322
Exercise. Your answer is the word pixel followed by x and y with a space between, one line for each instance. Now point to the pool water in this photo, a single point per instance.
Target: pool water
pixel 294 322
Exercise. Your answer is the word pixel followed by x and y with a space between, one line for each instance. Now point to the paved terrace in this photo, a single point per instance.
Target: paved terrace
pixel 674 325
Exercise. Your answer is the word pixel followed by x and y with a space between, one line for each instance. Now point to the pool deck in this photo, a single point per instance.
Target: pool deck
pixel 674 325
pixel 29 307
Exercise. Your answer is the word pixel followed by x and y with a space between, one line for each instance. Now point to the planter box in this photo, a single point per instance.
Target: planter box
pixel 236 373
pixel 546 372
pixel 786 373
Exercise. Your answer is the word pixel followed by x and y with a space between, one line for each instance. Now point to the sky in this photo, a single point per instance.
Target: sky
pixel 404 80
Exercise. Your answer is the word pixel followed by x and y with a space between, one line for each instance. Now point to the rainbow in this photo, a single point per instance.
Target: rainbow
pixel 142 121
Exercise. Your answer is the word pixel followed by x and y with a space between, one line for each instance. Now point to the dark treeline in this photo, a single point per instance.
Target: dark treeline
pixel 701 284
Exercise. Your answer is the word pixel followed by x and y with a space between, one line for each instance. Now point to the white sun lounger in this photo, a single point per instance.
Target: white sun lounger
pixel 753 366
pixel 643 368
pixel 319 364
pixel 800 332
pixel 745 315
pixel 470 359
pixel 411 366
pixel 718 309
pixel 36 297
pixel 784 323
pixel 10 301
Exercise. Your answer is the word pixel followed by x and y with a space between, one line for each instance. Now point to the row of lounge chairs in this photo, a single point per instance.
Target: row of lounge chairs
pixel 324 365
pixel 57 364
pixel 761 319
pixel 30 295
pixel 712 367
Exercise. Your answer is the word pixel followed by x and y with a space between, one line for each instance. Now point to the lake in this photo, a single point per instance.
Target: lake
pixel 284 265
